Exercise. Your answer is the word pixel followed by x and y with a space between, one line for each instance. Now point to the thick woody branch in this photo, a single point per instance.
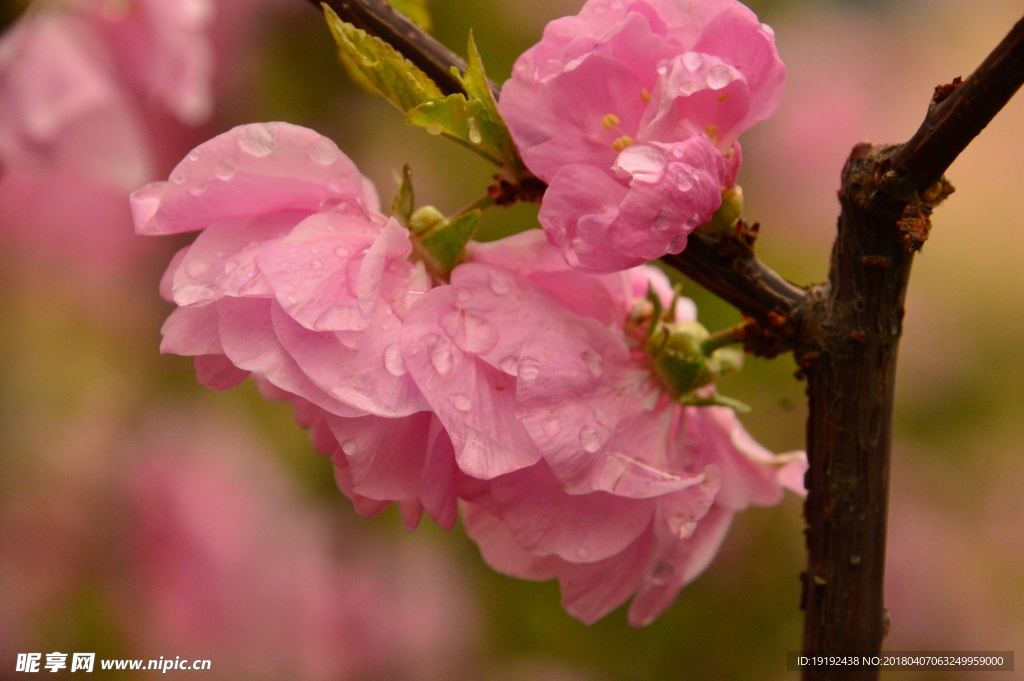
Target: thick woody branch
pixel 378 18
pixel 959 111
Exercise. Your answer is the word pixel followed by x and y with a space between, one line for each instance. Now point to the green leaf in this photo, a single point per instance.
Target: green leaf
pixel 445 246
pixel 393 76
pixel 416 10
pixel 402 204
pixel 473 119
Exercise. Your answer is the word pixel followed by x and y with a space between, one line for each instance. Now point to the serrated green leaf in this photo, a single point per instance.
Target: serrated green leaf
pixel 393 76
pixel 416 10
pixel 466 122
pixel 445 246
pixel 402 204
pixel 473 119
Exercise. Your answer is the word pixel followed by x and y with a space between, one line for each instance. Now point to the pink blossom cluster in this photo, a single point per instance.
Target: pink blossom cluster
pixel 630 111
pixel 517 385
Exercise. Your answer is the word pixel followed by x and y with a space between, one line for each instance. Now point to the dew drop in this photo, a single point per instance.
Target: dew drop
pixel 590 439
pixel 257 139
pixel 662 70
pixel 323 151
pixel 551 427
pixel 593 362
pixel 393 360
pixel 341 252
pixel 197 189
pixel 434 129
pixel 719 76
pixel 692 60
pixel 529 368
pixel 461 401
pixel 768 30
pixel 440 354
pixel 317 264
pixel 181 177
pixel 470 331
pixel 349 447
pixel 684 182
pixel 226 169
pixel 688 88
pixel 678 151
pixel 474 131
pixel 499 283
pixel 696 176
pixel 193 155
pixel 510 365
pixel 196 268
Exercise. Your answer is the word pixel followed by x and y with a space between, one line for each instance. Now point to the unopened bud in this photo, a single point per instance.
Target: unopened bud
pixel 427 219
pixel 725 218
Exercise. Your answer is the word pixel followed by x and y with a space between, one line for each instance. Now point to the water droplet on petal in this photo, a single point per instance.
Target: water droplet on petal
pixel 393 360
pixel 181 177
pixel 696 176
pixel 349 447
pixel 719 76
pixel 385 327
pixel 462 295
pixel 500 284
pixel 684 182
pixel 193 155
pixel 529 368
pixel 197 189
pixel 317 265
pixel 470 331
pixel 688 88
pixel 461 401
pixel 692 60
pixel 590 439
pixel 552 426
pixel 510 365
pixel 768 30
pixel 257 139
pixel 593 362
pixel 226 169
pixel 341 252
pixel 662 70
pixel 196 268
pixel 324 151
pixel 440 354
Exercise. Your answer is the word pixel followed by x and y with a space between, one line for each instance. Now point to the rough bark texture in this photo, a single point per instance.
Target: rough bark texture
pixel 851 334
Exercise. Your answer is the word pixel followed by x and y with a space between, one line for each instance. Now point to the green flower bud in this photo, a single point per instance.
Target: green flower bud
pixel 725 218
pixel 427 219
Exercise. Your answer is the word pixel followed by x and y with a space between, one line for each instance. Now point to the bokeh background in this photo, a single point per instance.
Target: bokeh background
pixel 142 515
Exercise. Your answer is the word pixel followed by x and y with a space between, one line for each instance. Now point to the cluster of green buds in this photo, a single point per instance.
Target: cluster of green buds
pixel 686 357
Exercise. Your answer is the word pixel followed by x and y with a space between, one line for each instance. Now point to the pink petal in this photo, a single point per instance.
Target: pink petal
pixel 473 400
pixel 192 331
pixel 251 170
pixel 583 528
pixel 218 373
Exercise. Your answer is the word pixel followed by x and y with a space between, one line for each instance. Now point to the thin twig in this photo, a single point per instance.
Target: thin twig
pixel 955 118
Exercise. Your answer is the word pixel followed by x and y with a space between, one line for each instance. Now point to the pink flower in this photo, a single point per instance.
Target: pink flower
pixel 299 279
pixel 587 468
pixel 630 112
pixel 227 564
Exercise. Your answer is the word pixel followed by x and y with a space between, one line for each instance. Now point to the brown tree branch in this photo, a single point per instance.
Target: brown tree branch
pixel 956 117
pixel 848 350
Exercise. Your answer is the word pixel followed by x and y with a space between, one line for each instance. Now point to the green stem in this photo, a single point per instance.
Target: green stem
pixel 719 339
pixel 481 204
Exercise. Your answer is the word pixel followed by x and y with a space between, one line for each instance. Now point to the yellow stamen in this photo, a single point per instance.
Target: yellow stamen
pixel 645 95
pixel 724 96
pixel 713 133
pixel 622 143
pixel 610 121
